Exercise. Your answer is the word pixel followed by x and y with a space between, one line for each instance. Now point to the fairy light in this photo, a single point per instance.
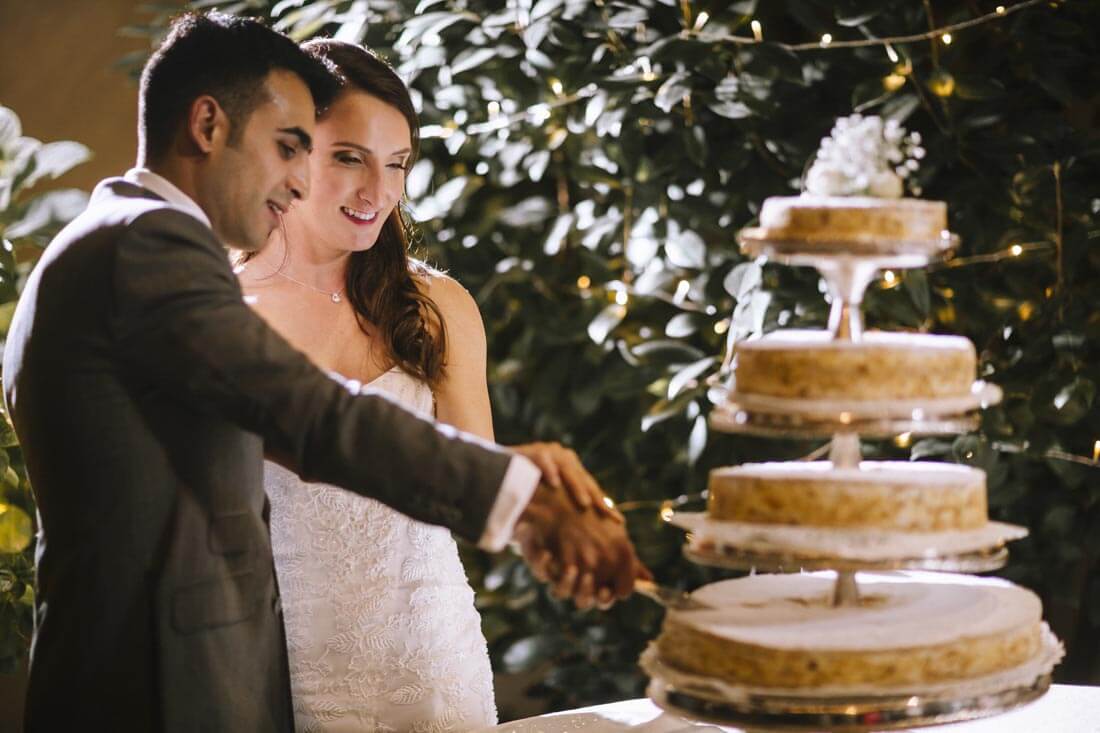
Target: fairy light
pixel 947 39
pixel 1000 10
pixel 1096 451
pixel 889 278
pixel 891 54
pixel 701 20
pixel 904 440
pixel 826 39
pixel 556 86
pixel 722 326
pixel 1016 250
pixel 621 297
pixel 583 282
pixel 757 30
pixel 893 82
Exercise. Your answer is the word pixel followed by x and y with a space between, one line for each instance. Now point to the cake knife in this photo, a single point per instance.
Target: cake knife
pixel 671 598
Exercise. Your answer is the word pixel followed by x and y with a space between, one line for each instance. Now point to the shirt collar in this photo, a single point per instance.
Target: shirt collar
pixel 168 191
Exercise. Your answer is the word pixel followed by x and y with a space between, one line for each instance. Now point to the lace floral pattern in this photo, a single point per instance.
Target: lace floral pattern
pixel 381 626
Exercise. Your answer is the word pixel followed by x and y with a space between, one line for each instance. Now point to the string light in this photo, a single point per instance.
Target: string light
pixel 889 278
pixel 946 38
pixel 893 82
pixel 826 39
pixel 891 54
pixel 621 297
pixel 1016 250
pixel 701 20
pixel 556 86
pixel 722 326
pixel 1096 451
pixel 903 440
pixel 583 282
pixel 932 35
pixel 757 30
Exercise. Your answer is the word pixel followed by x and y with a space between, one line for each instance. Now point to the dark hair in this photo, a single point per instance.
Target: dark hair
pixel 381 282
pixel 225 56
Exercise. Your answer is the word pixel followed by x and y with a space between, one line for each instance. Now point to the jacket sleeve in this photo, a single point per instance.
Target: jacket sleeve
pixel 180 324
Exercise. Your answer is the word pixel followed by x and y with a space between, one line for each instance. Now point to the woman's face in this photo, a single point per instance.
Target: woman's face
pixel 357 171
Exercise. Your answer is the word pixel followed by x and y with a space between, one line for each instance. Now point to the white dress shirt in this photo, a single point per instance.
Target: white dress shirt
pixel 521 477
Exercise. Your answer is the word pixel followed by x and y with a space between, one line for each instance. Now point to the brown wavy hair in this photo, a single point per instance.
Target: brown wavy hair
pixel 381 281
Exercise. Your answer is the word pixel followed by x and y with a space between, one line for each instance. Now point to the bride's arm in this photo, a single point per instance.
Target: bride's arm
pixel 462 397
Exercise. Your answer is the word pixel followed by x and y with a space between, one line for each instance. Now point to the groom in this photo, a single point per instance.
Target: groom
pixel 145 394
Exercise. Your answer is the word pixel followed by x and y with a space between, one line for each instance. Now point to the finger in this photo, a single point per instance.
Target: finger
pixel 626 571
pixel 565 586
pixel 542 568
pixel 605 599
pixel 582 487
pixel 586 592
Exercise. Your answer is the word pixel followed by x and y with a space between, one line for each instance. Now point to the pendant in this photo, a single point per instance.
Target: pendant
pixel 336 298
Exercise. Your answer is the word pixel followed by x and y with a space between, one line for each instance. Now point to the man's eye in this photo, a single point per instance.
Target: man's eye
pixel 287 151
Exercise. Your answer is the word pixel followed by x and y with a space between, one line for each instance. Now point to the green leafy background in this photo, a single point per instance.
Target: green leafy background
pixel 586 165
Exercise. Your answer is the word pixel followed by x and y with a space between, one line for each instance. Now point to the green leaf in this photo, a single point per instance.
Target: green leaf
pixel 672 91
pixel 53 159
pixel 731 110
pixel 686 249
pixel 16 529
pixel 48 209
pixel 604 323
pixel 529 652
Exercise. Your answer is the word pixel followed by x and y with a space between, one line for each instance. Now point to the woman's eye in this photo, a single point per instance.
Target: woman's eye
pixel 399 166
pixel 349 159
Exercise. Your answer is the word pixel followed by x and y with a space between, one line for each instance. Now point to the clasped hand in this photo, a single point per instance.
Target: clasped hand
pixel 571 536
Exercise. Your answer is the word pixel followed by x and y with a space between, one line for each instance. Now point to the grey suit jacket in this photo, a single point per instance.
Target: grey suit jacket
pixel 145 393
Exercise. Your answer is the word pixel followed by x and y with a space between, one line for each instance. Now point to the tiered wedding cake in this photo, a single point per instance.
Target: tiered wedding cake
pixel 862 647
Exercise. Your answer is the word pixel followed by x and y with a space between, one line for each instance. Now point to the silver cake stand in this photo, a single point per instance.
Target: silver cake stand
pixel 779 713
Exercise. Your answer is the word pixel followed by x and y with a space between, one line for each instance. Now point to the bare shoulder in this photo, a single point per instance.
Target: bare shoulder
pixel 455 303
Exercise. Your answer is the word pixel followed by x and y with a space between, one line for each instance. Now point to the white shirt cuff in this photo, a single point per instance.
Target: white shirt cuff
pixel 516 489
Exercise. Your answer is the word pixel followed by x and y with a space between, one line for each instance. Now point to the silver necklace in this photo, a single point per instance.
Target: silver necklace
pixel 334 295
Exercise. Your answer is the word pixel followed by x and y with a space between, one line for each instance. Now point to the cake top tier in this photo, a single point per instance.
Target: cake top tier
pixel 896 609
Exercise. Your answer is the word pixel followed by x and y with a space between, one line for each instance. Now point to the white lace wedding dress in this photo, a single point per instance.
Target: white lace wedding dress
pixel 381 626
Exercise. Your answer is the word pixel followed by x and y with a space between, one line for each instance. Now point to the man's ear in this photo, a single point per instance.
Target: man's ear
pixel 207 124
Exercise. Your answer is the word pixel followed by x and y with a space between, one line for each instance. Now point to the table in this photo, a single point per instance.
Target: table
pixel 1064 709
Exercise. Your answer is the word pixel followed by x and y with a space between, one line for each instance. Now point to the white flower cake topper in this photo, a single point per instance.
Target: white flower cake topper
pixel 865 156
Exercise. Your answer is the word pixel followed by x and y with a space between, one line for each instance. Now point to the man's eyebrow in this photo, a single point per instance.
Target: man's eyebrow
pixel 368 151
pixel 303 137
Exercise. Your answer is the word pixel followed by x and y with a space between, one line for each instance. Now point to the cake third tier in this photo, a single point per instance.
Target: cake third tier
pixel 881 366
pixel 889 495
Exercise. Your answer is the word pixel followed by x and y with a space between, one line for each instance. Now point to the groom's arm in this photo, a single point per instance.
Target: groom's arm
pixel 180 323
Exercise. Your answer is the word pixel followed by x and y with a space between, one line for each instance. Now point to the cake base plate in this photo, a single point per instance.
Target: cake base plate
pixel 810 251
pixel 802 417
pixel 849 709
pixel 785 548
pixel 842 716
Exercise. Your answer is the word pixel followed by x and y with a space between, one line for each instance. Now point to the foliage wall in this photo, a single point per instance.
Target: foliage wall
pixel 27 221
pixel 585 167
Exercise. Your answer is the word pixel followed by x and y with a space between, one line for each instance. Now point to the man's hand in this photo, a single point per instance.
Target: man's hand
pixel 562 469
pixel 583 554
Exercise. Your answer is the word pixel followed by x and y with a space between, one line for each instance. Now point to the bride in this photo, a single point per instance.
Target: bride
pixel 381 627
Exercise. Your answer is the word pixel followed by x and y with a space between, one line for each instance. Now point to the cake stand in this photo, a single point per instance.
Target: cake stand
pixel 847 267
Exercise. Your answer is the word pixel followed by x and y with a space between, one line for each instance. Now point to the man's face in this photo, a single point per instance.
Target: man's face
pixel 253 181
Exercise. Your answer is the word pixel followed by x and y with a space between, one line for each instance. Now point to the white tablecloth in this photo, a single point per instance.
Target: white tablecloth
pixel 1064 709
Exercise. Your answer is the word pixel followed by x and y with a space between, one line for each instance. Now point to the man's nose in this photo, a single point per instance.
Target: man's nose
pixel 298 180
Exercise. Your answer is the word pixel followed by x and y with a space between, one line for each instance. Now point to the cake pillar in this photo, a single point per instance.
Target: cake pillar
pixel 846 590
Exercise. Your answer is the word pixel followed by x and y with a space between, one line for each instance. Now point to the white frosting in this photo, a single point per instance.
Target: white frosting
pixel 816 339
pixel 925 474
pixel 775 213
pixel 907 609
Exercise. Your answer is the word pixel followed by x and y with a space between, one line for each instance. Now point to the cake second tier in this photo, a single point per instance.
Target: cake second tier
pixel 893 495
pixel 802 364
